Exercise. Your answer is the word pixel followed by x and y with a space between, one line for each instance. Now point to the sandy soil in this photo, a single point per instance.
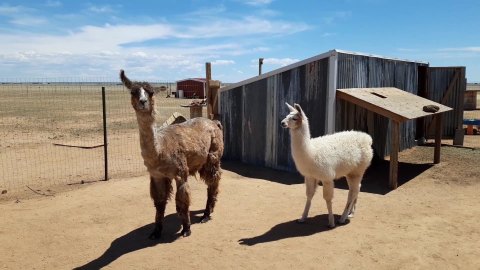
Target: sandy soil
pixel 429 222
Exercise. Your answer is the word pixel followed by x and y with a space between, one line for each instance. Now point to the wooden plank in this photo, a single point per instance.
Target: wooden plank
pixel 446 95
pixel 438 138
pixel 208 71
pixel 390 102
pixel 450 87
pixel 395 141
pixel 369 106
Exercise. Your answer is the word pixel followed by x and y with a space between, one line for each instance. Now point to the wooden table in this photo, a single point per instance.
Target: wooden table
pixel 398 106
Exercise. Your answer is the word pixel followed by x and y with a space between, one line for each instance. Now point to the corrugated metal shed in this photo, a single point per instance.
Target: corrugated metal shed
pixel 251 110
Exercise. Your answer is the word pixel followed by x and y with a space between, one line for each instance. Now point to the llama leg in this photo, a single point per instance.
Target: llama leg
pixel 160 191
pixel 328 196
pixel 311 186
pixel 182 200
pixel 211 173
pixel 353 190
pixel 212 192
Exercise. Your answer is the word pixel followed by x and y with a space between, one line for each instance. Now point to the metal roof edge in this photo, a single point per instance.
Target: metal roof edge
pixel 381 56
pixel 279 70
pixel 308 60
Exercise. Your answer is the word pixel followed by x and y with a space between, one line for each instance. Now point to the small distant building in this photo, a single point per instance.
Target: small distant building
pixel 191 88
pixel 470 98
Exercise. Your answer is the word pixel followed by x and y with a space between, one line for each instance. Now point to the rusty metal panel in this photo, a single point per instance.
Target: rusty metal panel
pixel 361 71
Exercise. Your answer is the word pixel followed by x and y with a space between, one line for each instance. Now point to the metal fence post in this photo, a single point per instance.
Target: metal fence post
pixel 105 140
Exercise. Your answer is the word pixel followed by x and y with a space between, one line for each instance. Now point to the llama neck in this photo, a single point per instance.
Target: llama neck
pixel 148 136
pixel 300 139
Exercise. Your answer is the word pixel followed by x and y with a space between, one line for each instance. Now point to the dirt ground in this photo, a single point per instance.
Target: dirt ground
pixel 429 222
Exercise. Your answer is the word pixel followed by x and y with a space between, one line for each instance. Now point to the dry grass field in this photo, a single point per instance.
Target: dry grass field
pixel 429 222
pixel 36 119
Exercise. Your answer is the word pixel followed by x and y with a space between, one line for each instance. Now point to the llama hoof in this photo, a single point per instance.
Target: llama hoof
pixel 331 226
pixel 186 233
pixel 350 215
pixel 301 221
pixel 205 219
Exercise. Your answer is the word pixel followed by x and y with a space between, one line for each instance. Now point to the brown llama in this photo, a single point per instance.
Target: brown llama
pixel 173 153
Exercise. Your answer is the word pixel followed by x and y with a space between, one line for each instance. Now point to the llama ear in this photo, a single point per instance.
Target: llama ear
pixel 125 80
pixel 290 107
pixel 298 108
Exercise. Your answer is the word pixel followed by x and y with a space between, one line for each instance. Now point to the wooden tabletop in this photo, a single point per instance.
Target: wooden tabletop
pixel 390 102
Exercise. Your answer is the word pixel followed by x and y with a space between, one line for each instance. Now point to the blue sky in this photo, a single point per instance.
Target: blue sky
pixel 172 40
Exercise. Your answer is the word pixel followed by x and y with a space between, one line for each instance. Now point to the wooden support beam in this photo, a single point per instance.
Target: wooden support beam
pixel 438 138
pixel 395 146
pixel 208 70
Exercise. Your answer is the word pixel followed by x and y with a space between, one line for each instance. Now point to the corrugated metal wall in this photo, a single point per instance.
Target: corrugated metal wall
pixel 440 79
pixel 251 114
pixel 359 71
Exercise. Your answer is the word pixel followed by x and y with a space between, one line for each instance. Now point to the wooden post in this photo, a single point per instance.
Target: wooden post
pixel 395 146
pixel 214 87
pixel 208 69
pixel 260 63
pixel 438 138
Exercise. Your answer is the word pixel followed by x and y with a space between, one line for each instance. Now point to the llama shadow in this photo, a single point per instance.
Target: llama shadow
pixel 292 229
pixel 252 171
pixel 138 239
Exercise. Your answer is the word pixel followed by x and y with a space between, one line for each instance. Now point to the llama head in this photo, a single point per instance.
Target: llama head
pixel 295 118
pixel 142 94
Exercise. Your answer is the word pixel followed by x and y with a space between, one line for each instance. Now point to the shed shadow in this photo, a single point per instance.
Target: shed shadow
pixel 138 239
pixel 252 171
pixel 291 229
pixel 377 175
pixel 374 181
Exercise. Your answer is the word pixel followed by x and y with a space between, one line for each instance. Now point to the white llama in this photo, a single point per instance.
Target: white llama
pixel 326 158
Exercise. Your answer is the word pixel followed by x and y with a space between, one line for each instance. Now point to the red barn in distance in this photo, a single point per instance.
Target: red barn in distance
pixel 191 88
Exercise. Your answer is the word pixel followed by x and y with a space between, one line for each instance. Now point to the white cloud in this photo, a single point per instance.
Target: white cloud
pixel 461 49
pixel 52 3
pixel 278 61
pixel 327 34
pixel 246 26
pixel 175 50
pixel 339 15
pixel 101 9
pixel 28 21
pixel 407 50
pixel 222 62
pixel 258 2
pixel 10 11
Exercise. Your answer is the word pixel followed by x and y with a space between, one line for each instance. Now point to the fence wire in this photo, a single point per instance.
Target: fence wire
pixel 51 131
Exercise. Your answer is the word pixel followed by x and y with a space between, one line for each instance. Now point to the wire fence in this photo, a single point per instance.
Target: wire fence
pixel 51 131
